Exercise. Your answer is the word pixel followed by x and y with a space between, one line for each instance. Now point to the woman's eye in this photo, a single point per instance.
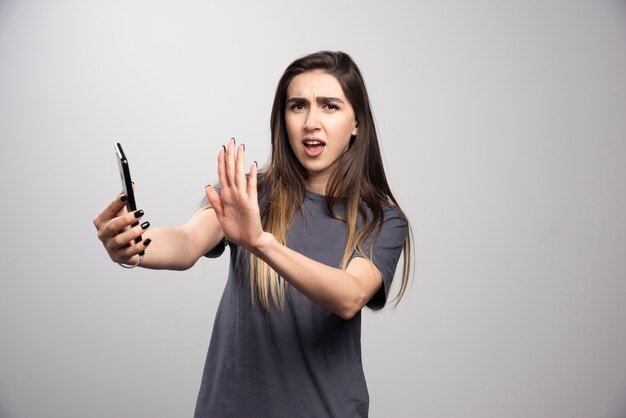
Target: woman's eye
pixel 331 106
pixel 297 107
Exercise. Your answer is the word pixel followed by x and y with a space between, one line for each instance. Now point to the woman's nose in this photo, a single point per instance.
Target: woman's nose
pixel 312 120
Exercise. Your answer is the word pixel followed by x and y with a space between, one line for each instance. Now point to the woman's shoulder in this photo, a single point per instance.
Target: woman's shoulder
pixel 390 211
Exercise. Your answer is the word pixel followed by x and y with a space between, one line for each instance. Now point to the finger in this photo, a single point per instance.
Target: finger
pixel 230 162
pixel 130 255
pixel 120 223
pixel 127 238
pixel 215 200
pixel 111 211
pixel 124 208
pixel 240 170
pixel 221 167
pixel 121 212
pixel 252 182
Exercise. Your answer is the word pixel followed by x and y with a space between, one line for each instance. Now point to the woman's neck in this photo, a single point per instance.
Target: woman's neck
pixel 316 185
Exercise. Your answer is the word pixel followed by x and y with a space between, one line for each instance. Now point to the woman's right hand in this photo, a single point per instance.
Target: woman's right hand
pixel 117 234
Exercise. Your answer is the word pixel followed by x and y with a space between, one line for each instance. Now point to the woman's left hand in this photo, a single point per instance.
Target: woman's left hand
pixel 237 207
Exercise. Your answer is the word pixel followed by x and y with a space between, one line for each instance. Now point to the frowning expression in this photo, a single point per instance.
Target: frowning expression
pixel 320 122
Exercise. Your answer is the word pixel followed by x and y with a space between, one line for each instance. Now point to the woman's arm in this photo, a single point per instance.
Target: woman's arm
pixel 164 247
pixel 343 292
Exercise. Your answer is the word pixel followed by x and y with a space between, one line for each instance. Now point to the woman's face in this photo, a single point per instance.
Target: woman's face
pixel 320 122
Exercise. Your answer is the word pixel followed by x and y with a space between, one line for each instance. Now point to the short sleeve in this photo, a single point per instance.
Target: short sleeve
pixel 218 250
pixel 387 249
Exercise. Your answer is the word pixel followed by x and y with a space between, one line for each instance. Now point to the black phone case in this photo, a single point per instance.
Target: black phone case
pixel 127 183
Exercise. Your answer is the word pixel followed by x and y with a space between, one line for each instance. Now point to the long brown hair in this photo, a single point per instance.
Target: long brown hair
pixel 358 179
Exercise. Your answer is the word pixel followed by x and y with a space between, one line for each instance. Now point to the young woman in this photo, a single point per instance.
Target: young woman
pixel 314 237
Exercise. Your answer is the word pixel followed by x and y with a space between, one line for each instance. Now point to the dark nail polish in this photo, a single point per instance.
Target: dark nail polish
pixel 147 242
pixel 142 253
pixel 257 164
pixel 145 225
pixel 224 146
pixel 123 198
pixel 244 146
pixel 139 213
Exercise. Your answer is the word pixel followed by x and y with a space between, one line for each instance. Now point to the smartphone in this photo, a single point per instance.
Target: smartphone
pixel 127 184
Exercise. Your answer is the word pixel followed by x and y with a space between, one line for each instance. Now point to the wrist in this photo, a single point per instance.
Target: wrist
pixel 263 245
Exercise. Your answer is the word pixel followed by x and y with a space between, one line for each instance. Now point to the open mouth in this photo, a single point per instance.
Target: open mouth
pixel 313 147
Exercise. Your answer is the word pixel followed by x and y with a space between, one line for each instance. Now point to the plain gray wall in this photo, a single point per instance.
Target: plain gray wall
pixel 503 128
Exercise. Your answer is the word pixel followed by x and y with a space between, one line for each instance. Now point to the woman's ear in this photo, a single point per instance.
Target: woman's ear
pixel 355 131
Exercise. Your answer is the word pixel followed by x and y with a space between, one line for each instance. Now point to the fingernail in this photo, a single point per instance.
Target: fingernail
pixel 145 225
pixel 224 147
pixel 123 198
pixel 257 164
pixel 208 185
pixel 147 242
pixel 244 146
pixel 139 213
pixel 142 253
pixel 234 140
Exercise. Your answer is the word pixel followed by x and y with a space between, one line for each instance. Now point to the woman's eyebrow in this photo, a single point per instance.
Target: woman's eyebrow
pixel 320 99
pixel 297 100
pixel 323 99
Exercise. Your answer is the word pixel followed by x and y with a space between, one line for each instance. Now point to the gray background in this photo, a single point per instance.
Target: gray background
pixel 504 134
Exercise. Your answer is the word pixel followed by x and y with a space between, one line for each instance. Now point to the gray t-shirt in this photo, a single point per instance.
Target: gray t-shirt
pixel 303 361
